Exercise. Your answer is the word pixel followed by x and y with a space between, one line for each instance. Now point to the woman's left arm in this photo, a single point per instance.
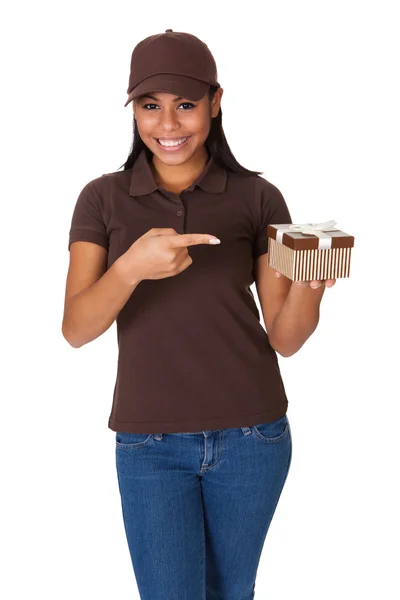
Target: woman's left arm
pixel 290 308
pixel 299 315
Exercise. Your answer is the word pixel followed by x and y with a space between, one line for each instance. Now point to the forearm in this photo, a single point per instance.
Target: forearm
pixel 297 319
pixel 91 312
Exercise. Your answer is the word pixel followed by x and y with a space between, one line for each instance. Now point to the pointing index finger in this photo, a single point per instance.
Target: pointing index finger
pixel 193 239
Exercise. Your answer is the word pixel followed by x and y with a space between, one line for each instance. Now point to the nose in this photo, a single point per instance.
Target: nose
pixel 169 119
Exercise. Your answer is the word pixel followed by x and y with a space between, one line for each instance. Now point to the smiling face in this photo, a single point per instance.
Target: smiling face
pixel 165 116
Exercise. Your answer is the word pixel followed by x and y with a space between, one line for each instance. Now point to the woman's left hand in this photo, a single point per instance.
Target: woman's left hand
pixel 315 284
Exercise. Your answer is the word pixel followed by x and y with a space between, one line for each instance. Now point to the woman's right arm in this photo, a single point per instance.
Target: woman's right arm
pixel 94 295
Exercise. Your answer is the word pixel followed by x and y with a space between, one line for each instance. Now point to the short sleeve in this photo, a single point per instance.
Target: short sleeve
pixel 87 223
pixel 272 208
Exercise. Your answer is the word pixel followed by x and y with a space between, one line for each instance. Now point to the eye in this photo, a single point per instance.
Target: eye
pixel 183 104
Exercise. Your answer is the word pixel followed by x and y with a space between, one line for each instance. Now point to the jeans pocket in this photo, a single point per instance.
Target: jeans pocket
pixel 273 432
pixel 129 441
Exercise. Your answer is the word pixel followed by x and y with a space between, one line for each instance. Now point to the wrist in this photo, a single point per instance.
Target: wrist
pixel 125 272
pixel 305 298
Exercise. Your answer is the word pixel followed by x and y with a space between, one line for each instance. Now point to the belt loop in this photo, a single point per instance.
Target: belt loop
pixel 246 430
pixel 157 436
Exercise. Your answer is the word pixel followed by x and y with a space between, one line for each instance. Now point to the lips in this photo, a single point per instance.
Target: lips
pixel 173 148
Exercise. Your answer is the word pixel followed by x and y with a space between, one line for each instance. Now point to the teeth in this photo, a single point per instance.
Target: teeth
pixel 172 143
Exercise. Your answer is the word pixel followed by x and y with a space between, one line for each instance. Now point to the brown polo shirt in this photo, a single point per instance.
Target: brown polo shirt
pixel 193 354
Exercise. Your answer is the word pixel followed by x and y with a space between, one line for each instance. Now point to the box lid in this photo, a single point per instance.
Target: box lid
pixel 304 241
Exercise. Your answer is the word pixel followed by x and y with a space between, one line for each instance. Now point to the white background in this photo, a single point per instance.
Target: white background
pixel 311 99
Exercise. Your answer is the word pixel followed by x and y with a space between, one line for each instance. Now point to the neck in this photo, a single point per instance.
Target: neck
pixel 177 178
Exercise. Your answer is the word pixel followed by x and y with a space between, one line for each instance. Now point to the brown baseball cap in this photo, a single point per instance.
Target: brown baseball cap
pixel 174 62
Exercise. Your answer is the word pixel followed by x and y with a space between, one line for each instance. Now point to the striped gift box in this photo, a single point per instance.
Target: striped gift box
pixel 311 251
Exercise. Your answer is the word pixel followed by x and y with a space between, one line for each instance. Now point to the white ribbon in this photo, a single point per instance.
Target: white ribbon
pixel 325 240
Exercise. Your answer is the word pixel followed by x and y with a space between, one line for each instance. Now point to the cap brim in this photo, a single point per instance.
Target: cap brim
pixel 180 85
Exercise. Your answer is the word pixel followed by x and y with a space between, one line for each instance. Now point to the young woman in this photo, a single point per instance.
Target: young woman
pixel 168 247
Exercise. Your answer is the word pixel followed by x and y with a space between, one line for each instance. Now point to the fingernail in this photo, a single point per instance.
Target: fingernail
pixel 214 241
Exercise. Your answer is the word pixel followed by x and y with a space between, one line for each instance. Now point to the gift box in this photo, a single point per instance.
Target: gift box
pixel 310 251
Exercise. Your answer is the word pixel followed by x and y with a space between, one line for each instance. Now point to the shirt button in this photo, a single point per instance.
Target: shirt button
pixel 179 213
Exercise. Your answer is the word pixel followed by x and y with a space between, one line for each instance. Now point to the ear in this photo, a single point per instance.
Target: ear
pixel 216 102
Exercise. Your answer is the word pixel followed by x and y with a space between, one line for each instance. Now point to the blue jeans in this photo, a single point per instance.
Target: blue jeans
pixel 197 507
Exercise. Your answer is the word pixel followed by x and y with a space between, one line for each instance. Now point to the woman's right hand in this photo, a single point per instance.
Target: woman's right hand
pixel 159 253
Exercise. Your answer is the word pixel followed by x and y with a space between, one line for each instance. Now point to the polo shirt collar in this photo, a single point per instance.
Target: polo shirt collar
pixel 212 179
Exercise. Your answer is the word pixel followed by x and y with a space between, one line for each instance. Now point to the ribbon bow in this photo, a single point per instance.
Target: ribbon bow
pixel 325 240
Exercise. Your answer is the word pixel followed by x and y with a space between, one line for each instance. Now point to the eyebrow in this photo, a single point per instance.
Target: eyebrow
pixel 158 100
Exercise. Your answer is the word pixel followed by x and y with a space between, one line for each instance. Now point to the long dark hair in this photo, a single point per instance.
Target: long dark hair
pixel 216 145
